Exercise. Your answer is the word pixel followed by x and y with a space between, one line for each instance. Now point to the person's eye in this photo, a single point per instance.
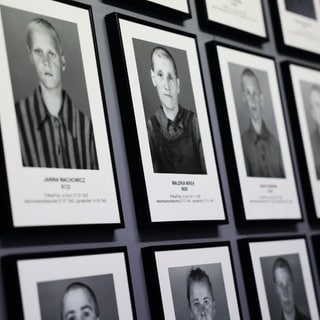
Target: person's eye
pixel 160 74
pixel 196 305
pixel 71 318
pixel 37 52
pixel 52 54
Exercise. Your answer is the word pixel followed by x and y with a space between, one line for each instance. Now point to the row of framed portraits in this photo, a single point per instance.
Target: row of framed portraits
pixel 183 281
pixel 55 140
pixel 298 21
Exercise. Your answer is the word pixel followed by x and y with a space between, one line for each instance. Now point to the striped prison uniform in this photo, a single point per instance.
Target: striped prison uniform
pixel 65 141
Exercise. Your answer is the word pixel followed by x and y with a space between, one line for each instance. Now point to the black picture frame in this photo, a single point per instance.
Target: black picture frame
pixel 63 191
pixel 258 192
pixel 298 27
pixel 299 80
pixel 174 11
pixel 261 282
pixel 172 194
pixel 167 269
pixel 231 15
pixel 31 280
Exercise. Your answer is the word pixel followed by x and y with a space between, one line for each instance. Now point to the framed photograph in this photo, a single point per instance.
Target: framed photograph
pixel 54 135
pixel 250 109
pixel 191 282
pixel 303 88
pixel 71 285
pixel 172 9
pixel 234 16
pixel 165 119
pixel 299 22
pixel 281 285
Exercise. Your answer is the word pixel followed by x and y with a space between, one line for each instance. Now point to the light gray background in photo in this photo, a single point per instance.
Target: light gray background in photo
pixel 23 75
pixel 178 281
pixel 299 288
pixel 305 90
pixel 51 292
pixel 242 109
pixel 151 101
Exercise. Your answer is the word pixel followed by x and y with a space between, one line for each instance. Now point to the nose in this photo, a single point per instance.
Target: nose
pixel 202 309
pixel 46 60
pixel 166 84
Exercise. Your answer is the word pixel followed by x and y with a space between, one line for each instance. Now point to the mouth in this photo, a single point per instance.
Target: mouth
pixel 48 74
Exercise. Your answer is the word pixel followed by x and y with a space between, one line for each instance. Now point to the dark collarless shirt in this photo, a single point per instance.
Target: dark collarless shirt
pixel 299 316
pixel 176 145
pixel 262 153
pixel 65 141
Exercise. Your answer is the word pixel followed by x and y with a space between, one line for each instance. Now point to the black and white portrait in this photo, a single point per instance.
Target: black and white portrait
pixel 311 101
pixel 258 130
pixel 302 7
pixel 90 298
pixel 169 106
pixel 199 292
pixel 284 285
pixel 49 89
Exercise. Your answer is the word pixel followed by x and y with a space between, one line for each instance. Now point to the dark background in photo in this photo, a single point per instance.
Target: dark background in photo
pixel 302 7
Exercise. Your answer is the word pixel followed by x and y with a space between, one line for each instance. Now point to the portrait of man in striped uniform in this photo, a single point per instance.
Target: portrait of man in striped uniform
pixel 52 132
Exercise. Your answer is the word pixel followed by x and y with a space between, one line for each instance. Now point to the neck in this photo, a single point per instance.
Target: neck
pixel 170 113
pixel 257 125
pixel 290 316
pixel 52 99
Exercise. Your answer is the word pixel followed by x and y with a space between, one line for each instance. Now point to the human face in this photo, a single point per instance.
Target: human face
pixel 45 55
pixel 284 287
pixel 78 305
pixel 315 105
pixel 166 82
pixel 252 97
pixel 201 302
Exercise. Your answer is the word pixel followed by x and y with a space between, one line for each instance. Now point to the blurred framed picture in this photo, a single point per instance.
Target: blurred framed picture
pixel 66 285
pixel 251 115
pixel 237 17
pixel 303 88
pixel 165 119
pixel 299 22
pixel 54 135
pixel 194 281
pixel 281 285
pixel 171 9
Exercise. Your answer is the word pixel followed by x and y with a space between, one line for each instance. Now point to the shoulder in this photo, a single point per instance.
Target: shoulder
pixel 27 104
pixel 74 110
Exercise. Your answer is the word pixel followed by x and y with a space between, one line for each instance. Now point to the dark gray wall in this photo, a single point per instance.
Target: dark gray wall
pixel 130 236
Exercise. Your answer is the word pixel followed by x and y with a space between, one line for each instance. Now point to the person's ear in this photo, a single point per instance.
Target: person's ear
pixel 30 55
pixel 261 100
pixel 313 112
pixel 63 62
pixel 153 78
pixel 178 85
pixel 243 96
pixel 214 308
